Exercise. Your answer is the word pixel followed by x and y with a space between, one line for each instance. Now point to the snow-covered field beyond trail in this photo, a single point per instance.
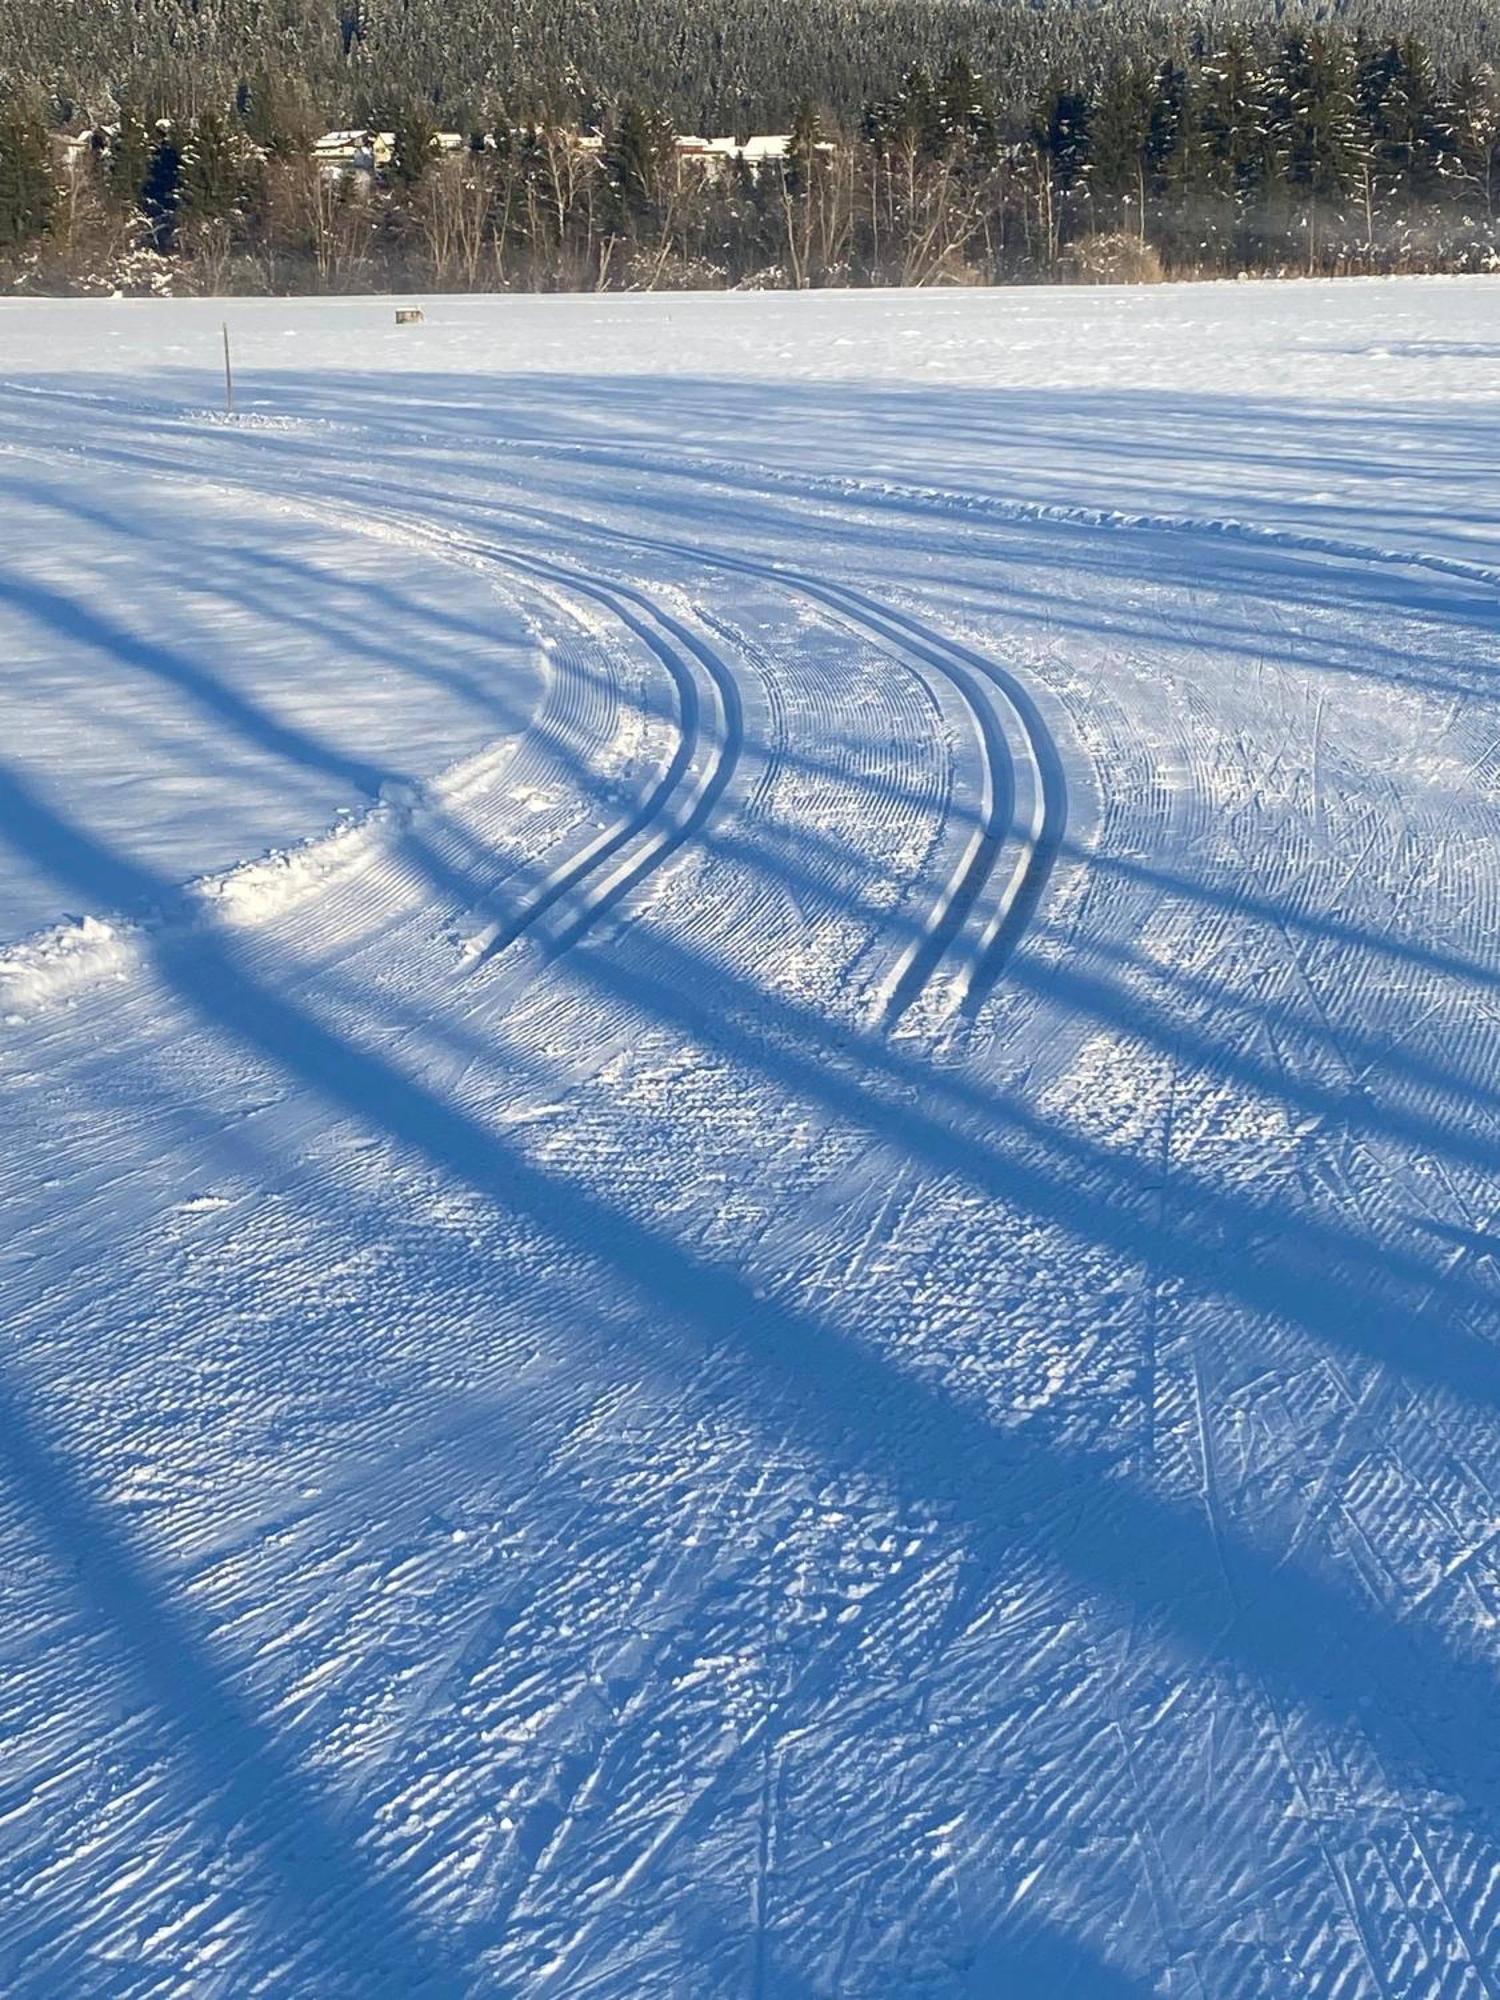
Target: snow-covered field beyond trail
pixel 751 1077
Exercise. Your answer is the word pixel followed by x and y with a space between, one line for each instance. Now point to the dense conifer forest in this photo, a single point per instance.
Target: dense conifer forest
pixel 156 145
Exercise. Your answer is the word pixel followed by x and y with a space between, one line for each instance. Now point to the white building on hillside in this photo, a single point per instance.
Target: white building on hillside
pixel 365 154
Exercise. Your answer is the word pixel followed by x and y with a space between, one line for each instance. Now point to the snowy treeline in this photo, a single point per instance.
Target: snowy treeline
pixel 1308 150
pixel 711 67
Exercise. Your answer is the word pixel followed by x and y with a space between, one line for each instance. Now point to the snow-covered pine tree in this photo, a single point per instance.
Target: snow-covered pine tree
pixel 414 143
pixel 132 147
pixel 1313 134
pixel 1472 115
pixel 213 174
pixel 1119 135
pixel 27 187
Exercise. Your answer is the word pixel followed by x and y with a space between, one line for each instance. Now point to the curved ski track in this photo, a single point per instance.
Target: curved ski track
pixel 1024 802
pixel 1024 805
pixel 669 822
pixel 961 945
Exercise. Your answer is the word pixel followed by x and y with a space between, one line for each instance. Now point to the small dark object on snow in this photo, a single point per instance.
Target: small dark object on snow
pixel 408 315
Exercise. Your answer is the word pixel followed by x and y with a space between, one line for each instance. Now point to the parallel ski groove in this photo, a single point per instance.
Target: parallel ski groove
pixel 1037 839
pixel 1037 842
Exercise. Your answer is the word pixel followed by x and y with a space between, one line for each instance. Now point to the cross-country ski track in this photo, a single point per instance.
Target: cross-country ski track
pixel 752 1069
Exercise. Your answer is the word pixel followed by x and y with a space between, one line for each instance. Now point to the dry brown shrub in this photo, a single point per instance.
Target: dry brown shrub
pixel 1114 259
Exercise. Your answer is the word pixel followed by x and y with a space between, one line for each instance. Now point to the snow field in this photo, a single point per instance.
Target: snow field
pixel 750 1055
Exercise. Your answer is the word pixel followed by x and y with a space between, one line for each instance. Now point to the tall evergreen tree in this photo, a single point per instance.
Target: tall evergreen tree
pixel 919 114
pixel 1235 121
pixel 273 111
pixel 802 153
pixel 27 188
pixel 636 160
pixel 212 179
pixel 132 148
pixel 1313 115
pixel 1406 137
pixel 1473 119
pixel 1060 130
pixel 1165 132
pixel 1120 140
pixel 162 187
pixel 966 107
pixel 1313 132
pixel 414 142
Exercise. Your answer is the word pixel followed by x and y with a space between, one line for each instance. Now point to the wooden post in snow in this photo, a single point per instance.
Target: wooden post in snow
pixel 228 376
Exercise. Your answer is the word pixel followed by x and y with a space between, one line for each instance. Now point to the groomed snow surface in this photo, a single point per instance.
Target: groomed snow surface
pixel 751 1073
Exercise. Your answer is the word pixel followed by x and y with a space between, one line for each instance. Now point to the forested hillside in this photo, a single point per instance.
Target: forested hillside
pixel 708 65
pixel 163 145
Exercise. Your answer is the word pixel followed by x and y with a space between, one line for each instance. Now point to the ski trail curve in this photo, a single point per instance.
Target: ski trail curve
pixel 1023 805
pixel 669 640
pixel 1024 802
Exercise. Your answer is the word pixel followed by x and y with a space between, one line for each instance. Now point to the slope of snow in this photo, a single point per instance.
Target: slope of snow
pixel 751 1058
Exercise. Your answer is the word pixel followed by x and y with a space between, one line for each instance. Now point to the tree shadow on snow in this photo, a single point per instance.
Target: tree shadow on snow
pixel 1425 1710
pixel 1386 1681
